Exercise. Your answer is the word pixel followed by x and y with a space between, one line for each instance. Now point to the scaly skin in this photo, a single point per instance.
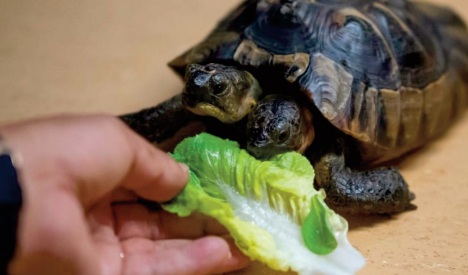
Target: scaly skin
pixel 382 190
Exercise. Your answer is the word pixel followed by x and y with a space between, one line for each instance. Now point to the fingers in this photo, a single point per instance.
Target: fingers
pixel 211 255
pixel 207 255
pixel 53 237
pixel 152 240
pixel 92 155
pixel 236 261
pixel 133 220
pixel 71 163
pixel 154 175
pixel 106 244
pixel 118 157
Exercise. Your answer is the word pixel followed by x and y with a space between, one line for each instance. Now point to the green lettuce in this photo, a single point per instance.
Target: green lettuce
pixel 270 208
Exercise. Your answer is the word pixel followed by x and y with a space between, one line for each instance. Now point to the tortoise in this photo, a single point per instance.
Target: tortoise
pixel 351 84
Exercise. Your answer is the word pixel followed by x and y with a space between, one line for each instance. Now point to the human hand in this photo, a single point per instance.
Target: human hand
pixel 73 170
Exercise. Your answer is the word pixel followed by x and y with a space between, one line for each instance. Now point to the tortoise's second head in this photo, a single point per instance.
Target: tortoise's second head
pixel 279 124
pixel 220 91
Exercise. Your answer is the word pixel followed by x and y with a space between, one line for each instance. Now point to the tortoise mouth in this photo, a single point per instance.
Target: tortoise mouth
pixel 206 91
pixel 191 99
pixel 223 92
pixel 266 151
pixel 208 109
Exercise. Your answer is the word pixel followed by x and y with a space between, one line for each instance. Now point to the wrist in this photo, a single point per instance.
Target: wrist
pixel 40 171
pixel 10 193
pixel 10 205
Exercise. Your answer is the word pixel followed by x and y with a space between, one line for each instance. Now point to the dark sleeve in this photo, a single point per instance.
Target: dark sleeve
pixel 10 204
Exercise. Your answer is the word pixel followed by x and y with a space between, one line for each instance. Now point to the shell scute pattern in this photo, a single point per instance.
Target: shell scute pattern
pixel 391 74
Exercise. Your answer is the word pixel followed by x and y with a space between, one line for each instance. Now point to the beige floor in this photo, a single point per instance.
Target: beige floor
pixel 109 56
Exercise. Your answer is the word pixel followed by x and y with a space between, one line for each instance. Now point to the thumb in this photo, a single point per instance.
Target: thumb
pixel 154 175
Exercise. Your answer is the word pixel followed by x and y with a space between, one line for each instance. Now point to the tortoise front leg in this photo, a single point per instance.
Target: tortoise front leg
pixel 169 122
pixel 377 191
pixel 161 122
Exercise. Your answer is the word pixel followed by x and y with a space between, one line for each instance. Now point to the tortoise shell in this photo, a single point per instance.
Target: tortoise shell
pixel 389 73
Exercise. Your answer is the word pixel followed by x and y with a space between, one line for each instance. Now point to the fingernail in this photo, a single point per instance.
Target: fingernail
pixel 184 167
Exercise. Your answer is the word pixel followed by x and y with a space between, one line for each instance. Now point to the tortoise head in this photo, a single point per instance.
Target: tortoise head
pixel 220 91
pixel 279 124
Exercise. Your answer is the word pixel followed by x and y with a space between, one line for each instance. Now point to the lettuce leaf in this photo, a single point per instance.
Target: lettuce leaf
pixel 270 208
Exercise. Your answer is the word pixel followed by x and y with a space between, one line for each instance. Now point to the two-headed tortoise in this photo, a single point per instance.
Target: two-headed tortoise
pixel 349 83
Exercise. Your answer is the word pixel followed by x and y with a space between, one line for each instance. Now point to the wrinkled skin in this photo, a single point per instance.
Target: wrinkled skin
pixel 276 124
pixel 219 91
pixel 370 82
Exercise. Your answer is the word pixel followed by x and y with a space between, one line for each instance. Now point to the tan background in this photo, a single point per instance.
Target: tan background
pixel 110 55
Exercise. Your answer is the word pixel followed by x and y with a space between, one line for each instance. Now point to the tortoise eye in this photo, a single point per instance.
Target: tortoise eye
pixel 218 84
pixel 219 88
pixel 283 136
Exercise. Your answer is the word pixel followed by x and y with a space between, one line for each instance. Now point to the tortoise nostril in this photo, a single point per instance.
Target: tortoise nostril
pixel 256 135
pixel 264 136
pixel 210 67
pixel 286 9
pixel 193 68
